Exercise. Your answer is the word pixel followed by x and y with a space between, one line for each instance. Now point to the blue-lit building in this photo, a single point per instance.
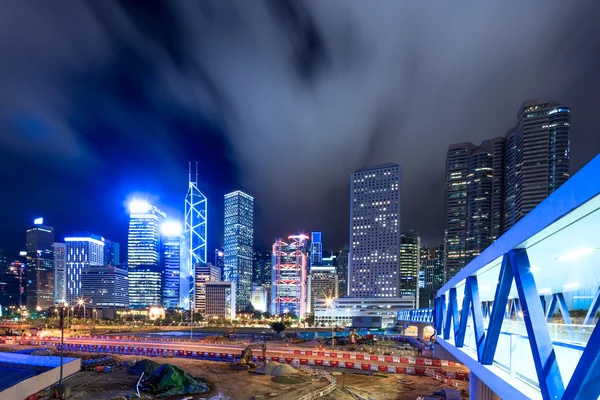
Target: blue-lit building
pixel 171 261
pixel 239 240
pixel 143 254
pixel 112 253
pixel 195 235
pixel 82 251
pixel 316 249
pixel 219 260
pixel 39 273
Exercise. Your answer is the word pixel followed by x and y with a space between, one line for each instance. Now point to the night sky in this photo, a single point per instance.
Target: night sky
pixel 282 99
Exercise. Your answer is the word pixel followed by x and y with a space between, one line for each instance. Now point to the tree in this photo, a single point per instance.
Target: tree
pixel 310 319
pixel 278 327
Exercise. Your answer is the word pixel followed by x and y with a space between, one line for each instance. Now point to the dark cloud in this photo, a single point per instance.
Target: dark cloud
pixel 281 98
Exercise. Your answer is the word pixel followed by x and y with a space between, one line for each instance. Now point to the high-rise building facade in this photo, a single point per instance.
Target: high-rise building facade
pixel 288 276
pixel 543 145
pixel 171 243
pixel 81 252
pixel 60 272
pixel 262 267
pixel 259 297
pixel 105 286
pixel 196 231
pixel 143 254
pixel 375 231
pixel 341 269
pixel 12 283
pixel 40 266
pixel 204 273
pixel 112 252
pixel 220 300
pixel 410 262
pixel 219 261
pixel 322 283
pixel 316 248
pixel 492 186
pixel 239 241
pixel 432 264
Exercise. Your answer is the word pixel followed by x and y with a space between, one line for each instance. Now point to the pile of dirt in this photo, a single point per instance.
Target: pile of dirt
pixel 275 369
pixel 148 367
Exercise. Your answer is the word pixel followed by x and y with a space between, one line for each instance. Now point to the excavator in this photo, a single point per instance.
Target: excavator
pixel 246 363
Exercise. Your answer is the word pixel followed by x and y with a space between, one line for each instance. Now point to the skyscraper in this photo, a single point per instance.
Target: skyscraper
pixel 322 283
pixel 171 242
pixel 60 272
pixel 492 186
pixel 143 255
pixel 375 231
pixel 204 273
pixel 410 260
pixel 288 276
pixel 105 286
pixel 81 252
pixel 239 239
pixel 196 229
pixel 316 249
pixel 40 265
pixel 543 143
pixel 341 269
pixel 112 252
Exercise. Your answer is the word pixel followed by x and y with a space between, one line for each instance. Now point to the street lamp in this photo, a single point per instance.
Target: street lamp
pixel 81 302
pixel 329 302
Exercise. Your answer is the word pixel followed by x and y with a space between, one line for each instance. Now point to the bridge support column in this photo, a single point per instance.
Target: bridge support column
pixel 480 391
pixel 420 331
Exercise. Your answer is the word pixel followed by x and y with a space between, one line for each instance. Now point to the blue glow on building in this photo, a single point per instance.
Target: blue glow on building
pixel 316 249
pixel 172 240
pixel 239 240
pixel 196 217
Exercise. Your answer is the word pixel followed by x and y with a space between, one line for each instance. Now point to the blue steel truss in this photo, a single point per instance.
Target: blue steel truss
pixel 589 318
pixel 424 315
pixel 562 305
pixel 585 383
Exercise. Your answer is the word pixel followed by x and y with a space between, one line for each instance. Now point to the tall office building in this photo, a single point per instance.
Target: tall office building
pixel 410 262
pixel 12 283
pixel 341 269
pixel 219 261
pixel 60 272
pixel 259 298
pixel 40 265
pixel 375 231
pixel 81 252
pixel 492 186
pixel 316 249
pixel 171 243
pixel 262 267
pixel 112 253
pixel 143 254
pixel 543 144
pixel 196 230
pixel 288 276
pixel 105 286
pixel 474 201
pixel 220 300
pixel 239 240
pixel 322 283
pixel 204 273
pixel 432 265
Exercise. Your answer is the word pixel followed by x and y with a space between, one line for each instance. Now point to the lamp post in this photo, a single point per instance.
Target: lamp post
pixel 329 302
pixel 81 302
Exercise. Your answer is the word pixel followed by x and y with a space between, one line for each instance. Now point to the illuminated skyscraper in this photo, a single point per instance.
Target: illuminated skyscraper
pixel 410 260
pixel 81 252
pixel 196 214
pixel 341 270
pixel 112 253
pixel 40 265
pixel 288 291
pixel 143 256
pixel 60 271
pixel 204 273
pixel 322 283
pixel 172 240
pixel 239 239
pixel 375 231
pixel 316 249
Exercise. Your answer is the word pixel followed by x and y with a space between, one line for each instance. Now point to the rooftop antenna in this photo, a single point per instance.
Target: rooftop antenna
pixel 196 173
pixel 190 172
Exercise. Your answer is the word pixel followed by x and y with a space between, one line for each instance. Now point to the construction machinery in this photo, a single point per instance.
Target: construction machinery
pixel 245 363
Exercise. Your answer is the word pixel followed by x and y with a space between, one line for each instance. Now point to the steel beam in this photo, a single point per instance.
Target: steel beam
pixel 505 280
pixel 591 314
pixel 544 357
pixel 451 314
pixel 585 382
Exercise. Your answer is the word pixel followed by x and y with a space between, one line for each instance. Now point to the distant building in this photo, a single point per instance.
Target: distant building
pixel 239 241
pixel 259 297
pixel 262 267
pixel 12 283
pixel 322 283
pixel 112 252
pixel 492 186
pixel 204 273
pixel 105 286
pixel 172 240
pixel 288 290
pixel 316 248
pixel 40 266
pixel 341 269
pixel 81 252
pixel 341 311
pixel 410 262
pixel 432 271
pixel 220 300
pixel 219 260
pixel 375 231
pixel 143 255
pixel 60 272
